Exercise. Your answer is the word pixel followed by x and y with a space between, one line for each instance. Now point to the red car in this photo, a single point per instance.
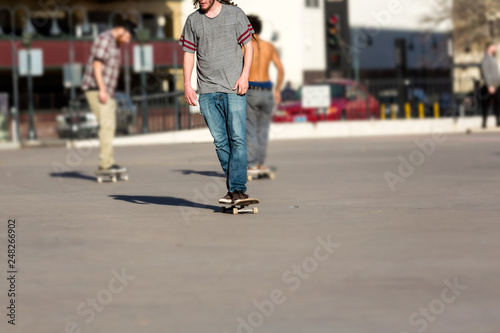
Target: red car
pixel 349 100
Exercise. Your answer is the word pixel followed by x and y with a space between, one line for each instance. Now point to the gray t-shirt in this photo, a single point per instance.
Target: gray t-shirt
pixel 217 42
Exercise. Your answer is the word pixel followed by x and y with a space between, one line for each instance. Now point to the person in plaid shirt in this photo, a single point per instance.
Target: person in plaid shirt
pixel 99 84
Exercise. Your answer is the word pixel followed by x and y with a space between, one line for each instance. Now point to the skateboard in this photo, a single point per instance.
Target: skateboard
pixel 113 176
pixel 241 207
pixel 259 174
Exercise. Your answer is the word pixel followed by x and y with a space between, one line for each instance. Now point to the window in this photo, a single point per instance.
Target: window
pixel 312 3
pixel 338 91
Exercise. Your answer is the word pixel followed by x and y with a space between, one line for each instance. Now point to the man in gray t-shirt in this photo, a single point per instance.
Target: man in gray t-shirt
pixel 220 34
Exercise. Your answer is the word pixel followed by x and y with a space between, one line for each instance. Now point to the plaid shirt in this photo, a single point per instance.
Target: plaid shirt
pixel 107 51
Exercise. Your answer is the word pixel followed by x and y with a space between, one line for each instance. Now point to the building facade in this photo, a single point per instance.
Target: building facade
pixel 61 25
pixel 474 24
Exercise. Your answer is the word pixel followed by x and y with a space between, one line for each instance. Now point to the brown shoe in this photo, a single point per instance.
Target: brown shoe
pixel 227 199
pixel 239 196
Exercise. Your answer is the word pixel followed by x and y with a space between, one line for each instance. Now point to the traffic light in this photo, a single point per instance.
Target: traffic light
pixel 333 33
pixel 336 25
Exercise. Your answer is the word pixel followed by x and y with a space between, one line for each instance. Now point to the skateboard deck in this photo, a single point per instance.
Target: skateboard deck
pixel 241 207
pixel 111 176
pixel 269 173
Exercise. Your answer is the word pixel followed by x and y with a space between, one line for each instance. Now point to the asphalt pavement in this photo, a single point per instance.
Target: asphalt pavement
pixel 386 234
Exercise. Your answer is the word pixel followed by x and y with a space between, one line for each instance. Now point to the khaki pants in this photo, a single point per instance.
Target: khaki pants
pixel 106 116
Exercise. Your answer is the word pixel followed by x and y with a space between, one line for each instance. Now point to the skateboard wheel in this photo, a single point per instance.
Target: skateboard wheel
pixel 249 178
pixel 255 210
pixel 99 179
pixel 113 179
pixel 223 209
pixel 235 211
pixel 125 178
pixel 272 176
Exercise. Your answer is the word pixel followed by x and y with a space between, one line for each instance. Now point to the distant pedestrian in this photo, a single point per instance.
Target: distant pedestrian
pixel 288 94
pixel 99 84
pixel 219 33
pixel 261 98
pixel 490 92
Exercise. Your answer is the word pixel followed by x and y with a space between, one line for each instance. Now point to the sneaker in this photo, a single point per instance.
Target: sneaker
pixel 116 167
pixel 227 199
pixel 239 196
pixel 264 168
pixel 253 171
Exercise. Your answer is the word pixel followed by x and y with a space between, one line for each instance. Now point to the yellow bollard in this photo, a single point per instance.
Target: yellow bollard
pixel 408 110
pixel 382 111
pixel 436 110
pixel 421 113
pixel 393 111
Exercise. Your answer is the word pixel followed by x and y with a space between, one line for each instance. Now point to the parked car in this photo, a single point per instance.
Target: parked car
pixel 348 100
pixel 83 122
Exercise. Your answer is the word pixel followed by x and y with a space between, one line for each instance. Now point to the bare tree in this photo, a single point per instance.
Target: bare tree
pixel 474 22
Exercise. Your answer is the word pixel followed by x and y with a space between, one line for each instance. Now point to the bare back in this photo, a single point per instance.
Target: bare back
pixel 264 53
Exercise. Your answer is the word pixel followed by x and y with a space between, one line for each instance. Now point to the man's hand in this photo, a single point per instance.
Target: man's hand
pixel 190 96
pixel 103 96
pixel 277 97
pixel 241 85
pixel 492 90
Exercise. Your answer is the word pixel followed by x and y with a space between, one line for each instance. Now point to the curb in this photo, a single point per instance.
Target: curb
pixel 291 131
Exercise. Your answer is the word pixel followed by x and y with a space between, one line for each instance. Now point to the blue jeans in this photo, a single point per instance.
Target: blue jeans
pixel 225 115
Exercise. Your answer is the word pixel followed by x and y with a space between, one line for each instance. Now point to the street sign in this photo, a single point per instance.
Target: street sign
pixel 146 64
pixel 72 75
pixel 4 117
pixel 316 96
pixel 36 63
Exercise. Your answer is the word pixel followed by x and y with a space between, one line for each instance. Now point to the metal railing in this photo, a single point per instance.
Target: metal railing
pixel 423 98
pixel 385 100
pixel 166 112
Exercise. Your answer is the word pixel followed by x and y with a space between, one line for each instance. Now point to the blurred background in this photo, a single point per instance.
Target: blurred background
pixel 410 198
pixel 383 60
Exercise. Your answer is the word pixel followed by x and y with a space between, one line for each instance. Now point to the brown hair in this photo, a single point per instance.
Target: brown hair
pixel 226 2
pixel 256 23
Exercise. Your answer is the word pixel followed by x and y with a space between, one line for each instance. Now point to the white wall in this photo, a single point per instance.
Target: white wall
pixel 313 38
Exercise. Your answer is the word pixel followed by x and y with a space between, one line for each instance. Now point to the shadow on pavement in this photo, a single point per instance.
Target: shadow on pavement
pixel 203 173
pixel 72 174
pixel 167 201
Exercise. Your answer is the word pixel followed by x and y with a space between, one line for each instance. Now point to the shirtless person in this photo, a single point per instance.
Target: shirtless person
pixel 261 98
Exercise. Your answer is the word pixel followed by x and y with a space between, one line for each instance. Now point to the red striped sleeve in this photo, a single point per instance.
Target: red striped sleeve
pixel 187 44
pixel 245 35
pixel 243 40
pixel 189 47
